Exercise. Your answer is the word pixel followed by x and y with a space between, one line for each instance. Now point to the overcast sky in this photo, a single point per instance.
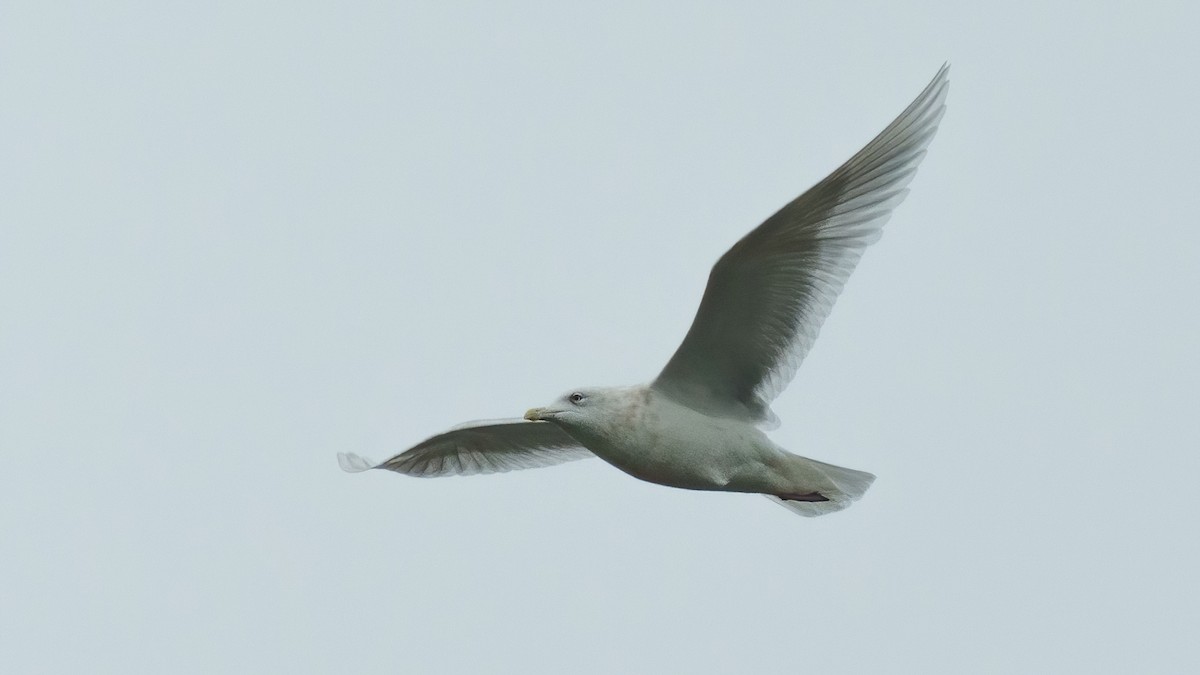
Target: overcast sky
pixel 237 238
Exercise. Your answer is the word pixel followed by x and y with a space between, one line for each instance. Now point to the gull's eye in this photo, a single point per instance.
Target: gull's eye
pixel 576 398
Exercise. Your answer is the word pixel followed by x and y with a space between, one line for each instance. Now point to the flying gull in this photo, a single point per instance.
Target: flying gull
pixel 699 424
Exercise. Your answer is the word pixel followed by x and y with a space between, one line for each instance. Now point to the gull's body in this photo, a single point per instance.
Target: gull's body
pixel 699 424
pixel 651 436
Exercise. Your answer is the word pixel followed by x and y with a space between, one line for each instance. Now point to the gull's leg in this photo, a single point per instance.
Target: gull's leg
pixel 805 497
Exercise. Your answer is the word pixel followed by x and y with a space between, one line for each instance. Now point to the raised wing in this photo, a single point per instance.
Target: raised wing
pixel 768 295
pixel 486 446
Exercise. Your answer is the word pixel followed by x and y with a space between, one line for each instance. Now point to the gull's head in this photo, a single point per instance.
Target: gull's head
pixel 578 407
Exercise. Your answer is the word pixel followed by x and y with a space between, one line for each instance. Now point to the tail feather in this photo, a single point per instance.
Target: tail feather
pixel 842 488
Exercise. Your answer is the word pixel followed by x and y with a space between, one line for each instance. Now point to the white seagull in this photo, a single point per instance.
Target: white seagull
pixel 699 424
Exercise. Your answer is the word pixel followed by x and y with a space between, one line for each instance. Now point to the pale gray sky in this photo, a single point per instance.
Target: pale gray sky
pixel 237 238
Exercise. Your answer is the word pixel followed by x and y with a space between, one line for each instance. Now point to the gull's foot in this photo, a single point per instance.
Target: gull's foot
pixel 806 497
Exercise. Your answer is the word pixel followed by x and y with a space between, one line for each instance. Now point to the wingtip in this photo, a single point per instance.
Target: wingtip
pixel 352 463
pixel 940 81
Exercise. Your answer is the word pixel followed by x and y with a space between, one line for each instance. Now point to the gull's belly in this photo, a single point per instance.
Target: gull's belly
pixel 672 445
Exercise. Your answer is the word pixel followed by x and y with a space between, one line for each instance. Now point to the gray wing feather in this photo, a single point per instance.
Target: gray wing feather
pixel 487 446
pixel 768 295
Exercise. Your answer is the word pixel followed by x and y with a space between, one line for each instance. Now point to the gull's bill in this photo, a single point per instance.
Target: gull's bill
pixel 768 295
pixel 485 446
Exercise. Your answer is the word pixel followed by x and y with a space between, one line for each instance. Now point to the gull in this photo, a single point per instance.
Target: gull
pixel 700 424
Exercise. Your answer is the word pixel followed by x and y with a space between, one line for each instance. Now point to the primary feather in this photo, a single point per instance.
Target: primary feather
pixel 486 446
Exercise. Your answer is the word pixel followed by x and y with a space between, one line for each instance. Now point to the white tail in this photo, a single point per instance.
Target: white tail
pixel 848 486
